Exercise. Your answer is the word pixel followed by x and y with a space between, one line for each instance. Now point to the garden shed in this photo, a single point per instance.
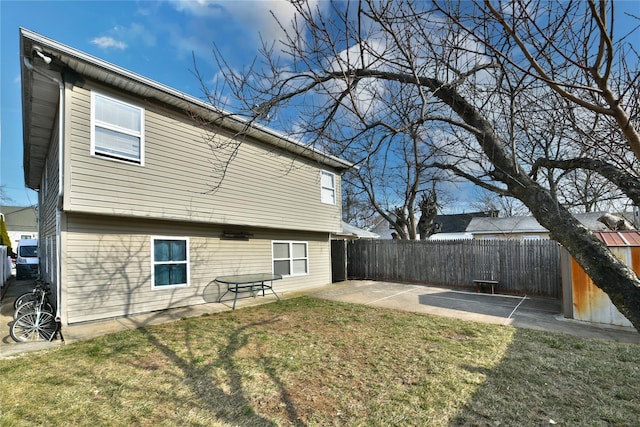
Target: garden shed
pixel 582 300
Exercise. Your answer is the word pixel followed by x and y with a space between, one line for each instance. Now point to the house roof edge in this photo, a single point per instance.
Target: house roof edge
pixel 234 122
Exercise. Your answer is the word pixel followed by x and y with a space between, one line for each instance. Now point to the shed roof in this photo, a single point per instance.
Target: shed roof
pixel 619 238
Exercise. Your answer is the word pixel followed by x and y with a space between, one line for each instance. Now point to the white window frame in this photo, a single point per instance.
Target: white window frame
pixel 187 261
pixel 291 258
pixel 114 128
pixel 489 237
pixel 330 200
pixel 531 237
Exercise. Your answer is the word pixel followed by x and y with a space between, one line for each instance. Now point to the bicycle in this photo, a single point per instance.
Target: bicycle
pixel 40 302
pixel 32 295
pixel 35 325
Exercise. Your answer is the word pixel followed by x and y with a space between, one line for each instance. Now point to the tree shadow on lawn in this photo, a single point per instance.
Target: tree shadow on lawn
pixel 232 405
pixel 546 378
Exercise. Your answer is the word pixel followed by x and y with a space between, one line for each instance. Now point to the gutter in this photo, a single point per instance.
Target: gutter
pixel 61 114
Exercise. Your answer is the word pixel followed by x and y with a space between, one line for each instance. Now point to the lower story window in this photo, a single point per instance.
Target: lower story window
pixel 170 262
pixel 290 258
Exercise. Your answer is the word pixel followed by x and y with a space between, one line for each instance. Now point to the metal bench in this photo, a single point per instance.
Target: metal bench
pixel 485 284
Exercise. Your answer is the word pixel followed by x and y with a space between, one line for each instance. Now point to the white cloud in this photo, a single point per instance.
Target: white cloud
pixel 198 7
pixel 135 33
pixel 257 17
pixel 105 42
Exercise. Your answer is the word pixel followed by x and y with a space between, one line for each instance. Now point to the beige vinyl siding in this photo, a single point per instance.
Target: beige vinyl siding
pixel 47 203
pixel 108 264
pixel 263 187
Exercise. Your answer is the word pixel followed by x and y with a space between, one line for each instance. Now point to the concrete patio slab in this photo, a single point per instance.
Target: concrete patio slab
pixel 519 311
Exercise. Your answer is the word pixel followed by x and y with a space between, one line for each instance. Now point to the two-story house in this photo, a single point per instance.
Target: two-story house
pixel 147 194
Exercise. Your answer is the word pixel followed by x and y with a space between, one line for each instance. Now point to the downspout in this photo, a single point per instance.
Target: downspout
pixel 61 114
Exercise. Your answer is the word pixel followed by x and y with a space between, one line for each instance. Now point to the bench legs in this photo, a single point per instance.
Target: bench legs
pixel 481 284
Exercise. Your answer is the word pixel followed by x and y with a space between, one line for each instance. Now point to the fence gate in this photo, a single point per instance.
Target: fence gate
pixel 338 260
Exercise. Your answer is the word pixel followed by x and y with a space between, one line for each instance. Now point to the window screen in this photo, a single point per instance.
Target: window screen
pixel 117 129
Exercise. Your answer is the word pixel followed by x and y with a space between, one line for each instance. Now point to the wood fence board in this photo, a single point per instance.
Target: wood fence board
pixel 521 267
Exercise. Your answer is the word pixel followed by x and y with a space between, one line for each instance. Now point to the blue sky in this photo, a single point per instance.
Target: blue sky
pixel 153 38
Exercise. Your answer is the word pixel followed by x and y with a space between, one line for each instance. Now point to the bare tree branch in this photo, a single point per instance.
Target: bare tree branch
pixel 628 183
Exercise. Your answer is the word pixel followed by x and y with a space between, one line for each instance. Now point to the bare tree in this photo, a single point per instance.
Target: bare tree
pixel 393 162
pixel 505 206
pixel 396 182
pixel 472 69
pixel 428 211
pixel 356 208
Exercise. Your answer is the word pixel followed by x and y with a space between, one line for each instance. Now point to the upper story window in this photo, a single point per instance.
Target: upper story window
pixel 117 129
pixel 328 187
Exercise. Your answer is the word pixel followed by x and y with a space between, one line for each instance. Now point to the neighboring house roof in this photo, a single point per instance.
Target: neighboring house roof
pixel 457 223
pixel 527 224
pixel 451 226
pixel 40 101
pixel 350 231
pixel 380 227
pixel 514 224
pixel 20 218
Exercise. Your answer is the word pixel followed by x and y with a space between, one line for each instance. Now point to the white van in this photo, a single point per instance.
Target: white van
pixel 27 262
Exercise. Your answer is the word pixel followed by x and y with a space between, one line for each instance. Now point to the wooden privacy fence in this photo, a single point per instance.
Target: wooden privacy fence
pixel 522 267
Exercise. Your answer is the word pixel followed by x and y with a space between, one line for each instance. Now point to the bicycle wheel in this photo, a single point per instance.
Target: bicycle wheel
pixel 34 327
pixel 32 306
pixel 27 296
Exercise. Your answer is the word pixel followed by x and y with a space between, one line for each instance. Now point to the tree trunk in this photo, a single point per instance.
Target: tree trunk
pixel 428 211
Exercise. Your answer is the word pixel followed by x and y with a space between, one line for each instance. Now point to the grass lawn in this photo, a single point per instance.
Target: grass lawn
pixel 312 362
